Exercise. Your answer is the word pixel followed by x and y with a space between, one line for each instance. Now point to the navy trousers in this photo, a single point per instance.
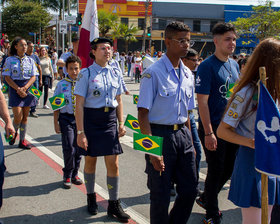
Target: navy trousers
pixel 180 167
pixel 71 151
pixel 2 170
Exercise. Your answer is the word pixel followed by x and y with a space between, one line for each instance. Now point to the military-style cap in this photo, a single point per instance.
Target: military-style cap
pixel 100 40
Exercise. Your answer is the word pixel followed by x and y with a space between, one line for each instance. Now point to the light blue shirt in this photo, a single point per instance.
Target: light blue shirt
pixel 167 97
pixel 100 87
pixel 116 65
pixel 64 57
pixel 65 87
pixel 20 68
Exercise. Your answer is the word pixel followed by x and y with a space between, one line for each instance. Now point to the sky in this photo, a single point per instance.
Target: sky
pixel 228 2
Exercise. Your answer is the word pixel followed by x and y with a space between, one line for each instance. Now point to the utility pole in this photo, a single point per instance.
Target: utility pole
pixel 70 32
pixel 147 4
pixel 63 18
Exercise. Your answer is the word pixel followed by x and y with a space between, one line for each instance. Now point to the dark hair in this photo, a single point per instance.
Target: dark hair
pixel 191 53
pixel 242 61
pixel 174 27
pixel 13 50
pixel 73 59
pixel 29 42
pixel 221 28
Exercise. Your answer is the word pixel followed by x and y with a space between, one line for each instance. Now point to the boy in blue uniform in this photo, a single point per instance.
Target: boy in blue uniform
pixel 64 123
pixel 166 95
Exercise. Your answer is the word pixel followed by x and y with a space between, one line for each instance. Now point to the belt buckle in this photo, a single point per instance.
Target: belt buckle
pixel 175 127
pixel 106 109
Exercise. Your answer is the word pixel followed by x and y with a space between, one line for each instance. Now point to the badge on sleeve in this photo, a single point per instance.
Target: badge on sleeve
pixel 146 75
pixel 79 76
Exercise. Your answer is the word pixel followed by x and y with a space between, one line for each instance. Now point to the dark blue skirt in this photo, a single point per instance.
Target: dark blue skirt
pixel 101 132
pixel 16 101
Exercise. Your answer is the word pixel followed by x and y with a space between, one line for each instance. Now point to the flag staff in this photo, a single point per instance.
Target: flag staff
pixel 264 177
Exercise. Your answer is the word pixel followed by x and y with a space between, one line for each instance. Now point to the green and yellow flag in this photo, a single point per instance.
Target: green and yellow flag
pixel 5 88
pixel 57 102
pixel 135 99
pixel 132 123
pixel 230 90
pixel 148 144
pixel 35 92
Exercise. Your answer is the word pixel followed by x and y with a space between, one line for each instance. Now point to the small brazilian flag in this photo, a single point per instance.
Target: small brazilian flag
pixel 132 123
pixel 135 99
pixel 35 92
pixel 5 88
pixel 148 144
pixel 57 102
pixel 230 90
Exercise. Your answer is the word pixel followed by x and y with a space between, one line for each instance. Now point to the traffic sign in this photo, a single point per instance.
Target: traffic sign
pixel 70 19
pixel 63 26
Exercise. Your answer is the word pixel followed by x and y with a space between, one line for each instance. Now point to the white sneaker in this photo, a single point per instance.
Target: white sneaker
pixel 46 107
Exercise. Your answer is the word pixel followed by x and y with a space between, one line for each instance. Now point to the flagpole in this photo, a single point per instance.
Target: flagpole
pixel 264 177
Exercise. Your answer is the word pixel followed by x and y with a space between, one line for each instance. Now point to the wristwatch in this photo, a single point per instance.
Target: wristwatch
pixel 80 132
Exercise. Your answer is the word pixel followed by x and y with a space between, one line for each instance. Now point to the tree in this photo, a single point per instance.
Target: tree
pixel 106 21
pixel 23 17
pixel 125 32
pixel 262 23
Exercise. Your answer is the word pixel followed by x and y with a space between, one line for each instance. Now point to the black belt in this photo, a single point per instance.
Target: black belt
pixel 105 109
pixel 173 127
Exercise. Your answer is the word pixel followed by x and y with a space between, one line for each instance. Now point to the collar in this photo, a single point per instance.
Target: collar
pixel 169 67
pixel 68 79
pixel 20 57
pixel 98 68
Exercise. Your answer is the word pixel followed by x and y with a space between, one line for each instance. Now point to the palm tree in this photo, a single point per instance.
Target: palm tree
pixel 125 32
pixel 106 22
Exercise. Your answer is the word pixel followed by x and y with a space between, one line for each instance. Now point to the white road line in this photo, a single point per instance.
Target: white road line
pixel 99 190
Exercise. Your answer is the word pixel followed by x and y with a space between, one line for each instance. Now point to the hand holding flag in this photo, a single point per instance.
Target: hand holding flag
pixel 132 123
pixel 57 102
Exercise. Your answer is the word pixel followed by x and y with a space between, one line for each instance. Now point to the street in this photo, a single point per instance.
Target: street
pixel 33 190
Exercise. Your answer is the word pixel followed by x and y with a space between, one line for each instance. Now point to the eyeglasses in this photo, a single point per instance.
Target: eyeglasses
pixel 185 41
pixel 192 59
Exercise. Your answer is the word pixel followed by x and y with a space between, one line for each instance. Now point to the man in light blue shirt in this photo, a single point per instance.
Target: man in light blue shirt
pixel 166 95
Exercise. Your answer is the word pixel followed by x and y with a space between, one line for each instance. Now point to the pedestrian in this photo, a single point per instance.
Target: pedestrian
pixel 129 62
pixel 138 67
pixel 98 107
pixel 47 74
pixel 166 95
pixel 122 62
pixel 20 73
pixel 9 130
pixel 213 79
pixel 39 81
pixel 245 187
pixel 54 61
pixel 64 123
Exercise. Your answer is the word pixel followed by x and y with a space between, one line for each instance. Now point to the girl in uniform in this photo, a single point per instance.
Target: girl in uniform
pixel 20 73
pixel 238 126
pixel 98 107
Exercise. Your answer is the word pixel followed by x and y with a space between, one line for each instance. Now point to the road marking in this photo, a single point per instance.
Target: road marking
pixel 99 190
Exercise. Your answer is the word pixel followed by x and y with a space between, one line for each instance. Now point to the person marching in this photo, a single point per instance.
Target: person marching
pixel 20 73
pixel 64 123
pixel 98 107
pixel 166 95
pixel 238 126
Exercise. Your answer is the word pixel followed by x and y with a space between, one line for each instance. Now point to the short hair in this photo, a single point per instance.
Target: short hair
pixel 73 59
pixel 221 28
pixel 29 42
pixel 191 53
pixel 174 27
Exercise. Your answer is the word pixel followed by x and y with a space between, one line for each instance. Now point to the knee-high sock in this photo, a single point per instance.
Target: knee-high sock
pixel 89 182
pixel 22 132
pixel 113 187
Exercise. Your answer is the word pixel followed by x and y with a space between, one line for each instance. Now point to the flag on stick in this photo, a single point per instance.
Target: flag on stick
pixel 5 88
pixel 135 99
pixel 267 135
pixel 148 144
pixel 35 92
pixel 132 123
pixel 57 102
pixel 89 31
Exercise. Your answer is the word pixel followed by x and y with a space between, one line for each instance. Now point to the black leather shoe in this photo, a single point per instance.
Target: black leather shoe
pixel 33 114
pixel 115 210
pixel 91 204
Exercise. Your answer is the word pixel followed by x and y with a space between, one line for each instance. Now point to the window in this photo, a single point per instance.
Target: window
pixel 124 21
pixel 212 24
pixel 141 24
pixel 162 24
pixel 196 25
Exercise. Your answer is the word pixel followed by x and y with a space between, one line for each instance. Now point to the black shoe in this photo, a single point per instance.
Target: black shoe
pixel 76 180
pixel 91 204
pixel 216 220
pixel 13 140
pixel 115 210
pixel 24 145
pixel 172 191
pixel 200 202
pixel 33 114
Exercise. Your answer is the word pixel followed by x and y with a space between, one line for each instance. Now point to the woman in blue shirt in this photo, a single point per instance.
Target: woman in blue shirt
pixel 20 73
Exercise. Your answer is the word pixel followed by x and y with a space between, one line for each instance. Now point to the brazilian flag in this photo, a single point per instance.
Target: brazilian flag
pixel 148 144
pixel 5 88
pixel 132 123
pixel 135 99
pixel 57 102
pixel 230 90
pixel 35 92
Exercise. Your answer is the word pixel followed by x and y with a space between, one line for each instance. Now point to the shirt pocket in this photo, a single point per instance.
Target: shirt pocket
pixel 167 92
pixel 15 70
pixel 96 89
pixel 115 87
pixel 189 93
